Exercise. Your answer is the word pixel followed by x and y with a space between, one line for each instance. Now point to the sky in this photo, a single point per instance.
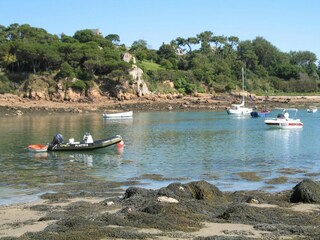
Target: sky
pixel 289 25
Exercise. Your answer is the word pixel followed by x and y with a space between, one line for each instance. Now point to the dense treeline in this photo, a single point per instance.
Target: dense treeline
pixel 202 63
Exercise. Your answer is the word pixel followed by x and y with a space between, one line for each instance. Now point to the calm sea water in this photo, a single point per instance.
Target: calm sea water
pixel 175 146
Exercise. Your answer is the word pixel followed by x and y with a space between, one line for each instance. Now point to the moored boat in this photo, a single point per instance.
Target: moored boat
pixel 312 109
pixel 128 114
pixel 87 143
pixel 240 109
pixel 264 113
pixel 283 120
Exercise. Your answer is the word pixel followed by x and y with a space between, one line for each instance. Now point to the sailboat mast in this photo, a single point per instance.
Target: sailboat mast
pixel 242 73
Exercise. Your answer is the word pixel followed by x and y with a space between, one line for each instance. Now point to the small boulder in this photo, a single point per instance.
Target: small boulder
pixel 203 190
pixel 306 191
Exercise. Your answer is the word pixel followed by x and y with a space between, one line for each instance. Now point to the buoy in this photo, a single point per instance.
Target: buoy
pixel 120 146
pixel 37 148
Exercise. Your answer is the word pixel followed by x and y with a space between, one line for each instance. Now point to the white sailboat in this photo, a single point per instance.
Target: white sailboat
pixel 240 109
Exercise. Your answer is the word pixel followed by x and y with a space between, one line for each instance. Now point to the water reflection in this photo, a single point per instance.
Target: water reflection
pixel 126 121
pixel 90 159
pixel 38 155
pixel 286 142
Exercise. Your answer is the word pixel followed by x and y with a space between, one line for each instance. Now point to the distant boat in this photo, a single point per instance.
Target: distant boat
pixel 128 114
pixel 263 113
pixel 312 109
pixel 240 109
pixel 283 120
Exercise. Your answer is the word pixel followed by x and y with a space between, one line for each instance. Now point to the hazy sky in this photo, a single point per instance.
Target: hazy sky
pixel 289 25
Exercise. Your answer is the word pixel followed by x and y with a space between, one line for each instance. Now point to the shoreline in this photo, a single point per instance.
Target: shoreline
pixel 14 105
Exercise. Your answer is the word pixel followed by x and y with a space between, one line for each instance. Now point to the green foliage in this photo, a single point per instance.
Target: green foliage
pixel 166 64
pixel 287 71
pixel 114 38
pixel 85 35
pixel 4 85
pixel 149 66
pixel 78 85
pixel 230 87
pixel 66 71
pixel 185 87
pixel 205 62
pixel 84 75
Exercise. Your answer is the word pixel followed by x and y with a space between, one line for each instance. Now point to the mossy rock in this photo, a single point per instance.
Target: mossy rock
pixel 306 191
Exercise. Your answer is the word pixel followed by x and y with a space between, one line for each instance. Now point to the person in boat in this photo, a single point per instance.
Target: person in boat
pixel 284 115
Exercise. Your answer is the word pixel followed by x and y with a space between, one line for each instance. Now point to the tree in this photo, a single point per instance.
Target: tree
pixel 91 57
pixel 247 54
pixel 114 38
pixel 205 38
pixel 139 45
pixel 188 41
pixel 30 55
pixel 166 51
pixel 234 41
pixel 66 71
pixel 84 36
pixel 139 48
pixel 306 60
pixel 267 54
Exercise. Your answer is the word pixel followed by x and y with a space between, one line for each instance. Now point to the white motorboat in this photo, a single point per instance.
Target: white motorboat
pixel 128 114
pixel 312 109
pixel 240 109
pixel 283 120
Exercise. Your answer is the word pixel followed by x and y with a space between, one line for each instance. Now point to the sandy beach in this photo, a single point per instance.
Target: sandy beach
pixel 18 219
pixel 237 216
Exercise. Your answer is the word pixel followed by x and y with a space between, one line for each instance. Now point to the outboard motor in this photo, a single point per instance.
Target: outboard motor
pixel 57 139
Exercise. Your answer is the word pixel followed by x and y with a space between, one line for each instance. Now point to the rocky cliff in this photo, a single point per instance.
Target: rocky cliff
pixel 47 87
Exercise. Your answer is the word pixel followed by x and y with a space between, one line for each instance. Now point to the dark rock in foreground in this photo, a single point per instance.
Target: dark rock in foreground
pixel 306 191
pixel 178 210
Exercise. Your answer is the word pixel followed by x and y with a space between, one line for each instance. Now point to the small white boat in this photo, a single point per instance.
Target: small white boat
pixel 283 120
pixel 312 109
pixel 128 114
pixel 240 109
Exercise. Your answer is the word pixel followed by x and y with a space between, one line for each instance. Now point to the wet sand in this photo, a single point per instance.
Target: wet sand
pixel 137 214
